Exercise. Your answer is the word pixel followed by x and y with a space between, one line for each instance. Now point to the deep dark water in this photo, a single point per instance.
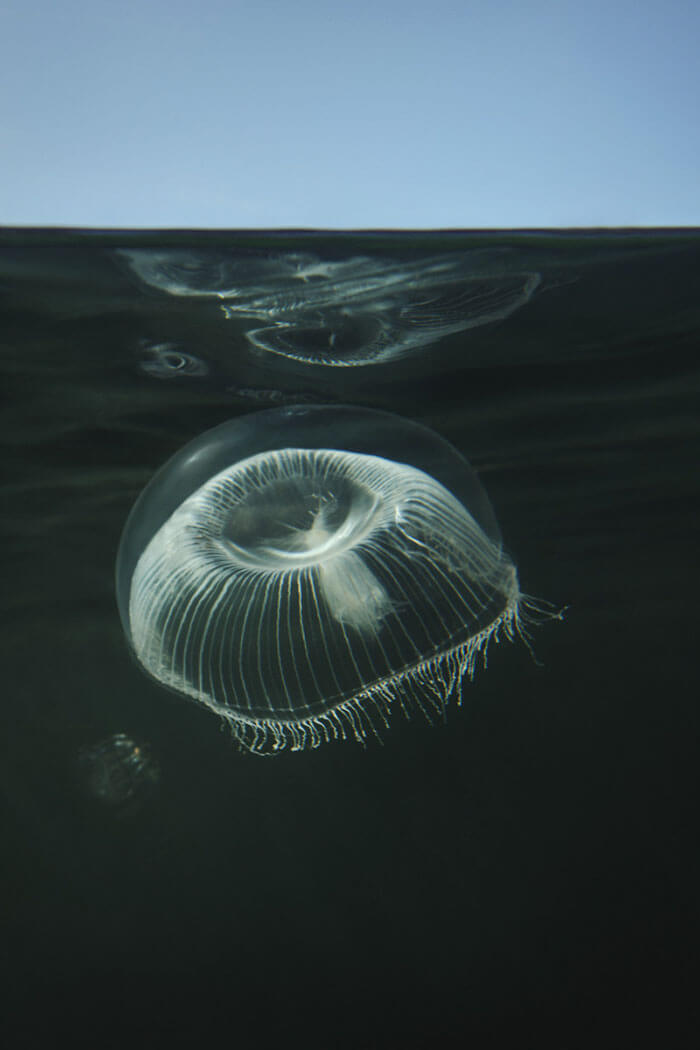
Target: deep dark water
pixel 528 868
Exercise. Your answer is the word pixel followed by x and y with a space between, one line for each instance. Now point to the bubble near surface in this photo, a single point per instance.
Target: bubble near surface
pixel 168 361
pixel 301 592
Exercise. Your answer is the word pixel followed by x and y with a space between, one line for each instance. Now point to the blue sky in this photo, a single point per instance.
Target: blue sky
pixel 364 114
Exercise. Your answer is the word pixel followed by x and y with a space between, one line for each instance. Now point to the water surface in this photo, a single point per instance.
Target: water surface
pixel 532 861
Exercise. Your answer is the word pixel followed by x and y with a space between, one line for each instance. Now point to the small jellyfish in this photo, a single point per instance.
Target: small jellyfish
pixel 304 571
pixel 118 770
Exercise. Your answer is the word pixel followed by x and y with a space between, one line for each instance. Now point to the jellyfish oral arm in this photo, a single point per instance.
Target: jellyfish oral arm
pixel 353 593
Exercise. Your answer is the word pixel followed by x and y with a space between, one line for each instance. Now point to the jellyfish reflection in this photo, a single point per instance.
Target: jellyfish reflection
pixel 303 592
pixel 374 325
pixel 358 311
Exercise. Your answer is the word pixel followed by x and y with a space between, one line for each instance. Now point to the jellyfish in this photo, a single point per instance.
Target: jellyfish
pixel 305 571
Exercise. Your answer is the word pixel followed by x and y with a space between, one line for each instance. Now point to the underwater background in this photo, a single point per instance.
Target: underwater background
pixel 528 865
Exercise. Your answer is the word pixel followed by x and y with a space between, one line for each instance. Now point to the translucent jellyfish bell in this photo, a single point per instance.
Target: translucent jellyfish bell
pixel 301 571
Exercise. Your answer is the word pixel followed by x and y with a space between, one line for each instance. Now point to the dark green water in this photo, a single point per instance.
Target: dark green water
pixel 529 865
